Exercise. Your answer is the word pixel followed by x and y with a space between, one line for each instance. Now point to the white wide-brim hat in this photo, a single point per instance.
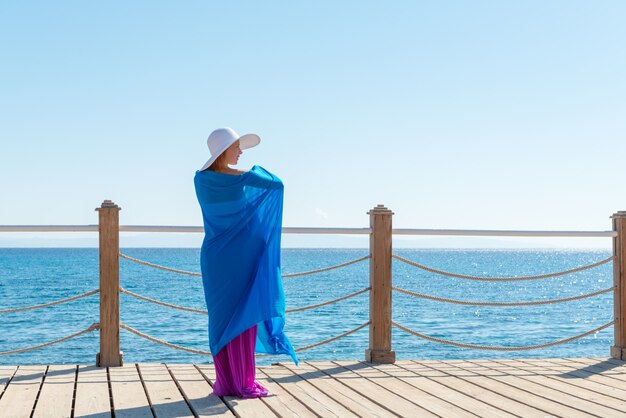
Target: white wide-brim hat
pixel 222 138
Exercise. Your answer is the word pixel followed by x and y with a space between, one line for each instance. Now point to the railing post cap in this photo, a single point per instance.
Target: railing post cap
pixel 619 214
pixel 380 210
pixel 108 204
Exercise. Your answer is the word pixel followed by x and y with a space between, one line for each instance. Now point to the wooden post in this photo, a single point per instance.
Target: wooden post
pixel 379 350
pixel 618 351
pixel 109 222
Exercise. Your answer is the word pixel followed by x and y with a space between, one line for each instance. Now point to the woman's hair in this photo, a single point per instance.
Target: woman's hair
pixel 219 162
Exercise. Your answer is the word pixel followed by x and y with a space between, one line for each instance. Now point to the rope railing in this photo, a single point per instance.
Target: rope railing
pixel 494 279
pixel 203 352
pixel 156 266
pixel 184 308
pixel 397 257
pixel 345 334
pixel 165 343
pixel 351 295
pixel 382 262
pixel 92 327
pixel 158 302
pixel 191 273
pixel 56 302
pixel 529 303
pixel 498 348
pixel 304 273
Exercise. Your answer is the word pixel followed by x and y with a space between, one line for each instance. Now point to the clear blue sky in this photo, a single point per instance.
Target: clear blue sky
pixel 455 114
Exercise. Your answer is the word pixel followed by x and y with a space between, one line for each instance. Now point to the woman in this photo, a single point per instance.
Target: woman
pixel 240 263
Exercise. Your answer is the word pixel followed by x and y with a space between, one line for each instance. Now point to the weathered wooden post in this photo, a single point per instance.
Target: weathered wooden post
pixel 618 351
pixel 109 221
pixel 379 350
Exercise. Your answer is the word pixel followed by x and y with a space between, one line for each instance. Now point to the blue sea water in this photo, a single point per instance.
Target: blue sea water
pixel 34 276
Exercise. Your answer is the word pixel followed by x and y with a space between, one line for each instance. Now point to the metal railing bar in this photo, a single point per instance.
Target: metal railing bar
pixel 48 228
pixel 504 233
pixel 313 230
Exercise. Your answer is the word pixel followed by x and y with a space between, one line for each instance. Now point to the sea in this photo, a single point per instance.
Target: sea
pixel 30 276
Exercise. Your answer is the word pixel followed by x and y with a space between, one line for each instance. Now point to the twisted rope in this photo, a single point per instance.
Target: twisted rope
pixel 345 334
pixel 328 302
pixel 92 327
pixel 462 302
pixel 191 273
pixel 165 343
pixel 183 308
pixel 304 273
pixel 463 276
pixel 158 302
pixel 191 350
pixel 486 347
pixel 93 292
pixel 156 266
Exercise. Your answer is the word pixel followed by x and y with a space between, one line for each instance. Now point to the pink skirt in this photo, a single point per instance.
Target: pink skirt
pixel 235 368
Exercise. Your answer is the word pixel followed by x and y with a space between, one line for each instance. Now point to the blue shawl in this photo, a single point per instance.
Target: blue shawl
pixel 240 257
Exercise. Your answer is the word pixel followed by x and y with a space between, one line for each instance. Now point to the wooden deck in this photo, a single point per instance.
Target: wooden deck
pixel 487 388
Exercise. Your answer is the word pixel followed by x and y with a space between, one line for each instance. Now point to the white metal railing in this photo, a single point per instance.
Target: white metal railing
pixel 314 230
pixel 503 233
pixel 170 228
pixel 48 228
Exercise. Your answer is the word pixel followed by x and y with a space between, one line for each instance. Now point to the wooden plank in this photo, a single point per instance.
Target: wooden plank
pixel 476 367
pixel 606 373
pixel 343 394
pixel 20 395
pixel 536 365
pixel 528 387
pixel 588 377
pixel 454 383
pixel 198 392
pixel 467 387
pixel 242 407
pixel 453 363
pixel 612 360
pixel 166 399
pixel 281 401
pixel 129 397
pixel 382 395
pixel 314 399
pixel 510 389
pixel 614 363
pixel 452 394
pixel 424 370
pixel 608 384
pixel 399 387
pixel 57 392
pixel 297 387
pixel 575 387
pixel 615 373
pixel 6 373
pixel 348 395
pixel 548 392
pixel 92 393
